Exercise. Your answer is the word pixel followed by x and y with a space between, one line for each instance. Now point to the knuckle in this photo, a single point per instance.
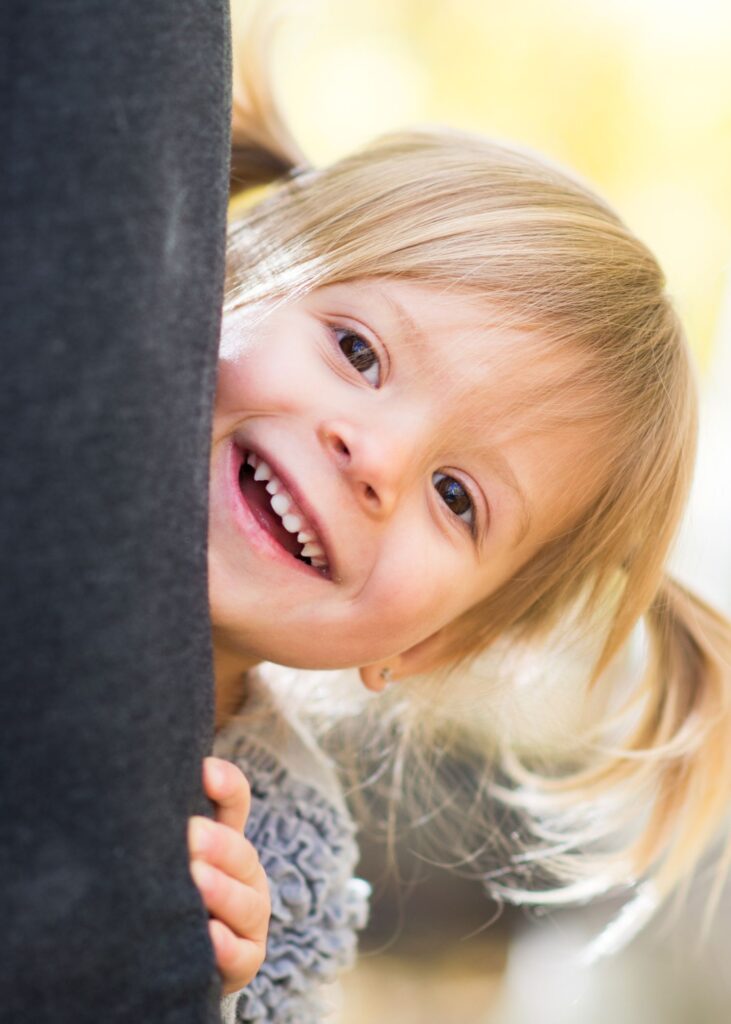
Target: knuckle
pixel 262 907
pixel 264 893
pixel 242 784
pixel 256 957
pixel 262 883
pixel 249 864
pixel 252 855
pixel 246 962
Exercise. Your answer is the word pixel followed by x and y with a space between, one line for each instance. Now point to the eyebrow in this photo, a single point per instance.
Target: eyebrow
pixel 498 462
pixel 504 470
pixel 406 321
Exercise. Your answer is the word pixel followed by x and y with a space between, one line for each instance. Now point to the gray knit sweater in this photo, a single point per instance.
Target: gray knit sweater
pixel 305 839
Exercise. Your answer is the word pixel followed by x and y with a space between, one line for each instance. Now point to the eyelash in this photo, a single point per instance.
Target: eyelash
pixel 471 523
pixel 362 355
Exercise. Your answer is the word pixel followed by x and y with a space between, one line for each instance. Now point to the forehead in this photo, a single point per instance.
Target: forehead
pixel 476 360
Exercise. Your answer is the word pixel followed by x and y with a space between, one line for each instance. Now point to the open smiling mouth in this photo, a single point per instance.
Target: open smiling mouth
pixel 278 513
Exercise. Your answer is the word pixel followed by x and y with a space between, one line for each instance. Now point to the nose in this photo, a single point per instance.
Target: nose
pixel 374 462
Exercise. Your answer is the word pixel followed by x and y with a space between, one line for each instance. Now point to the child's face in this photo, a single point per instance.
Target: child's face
pixel 386 411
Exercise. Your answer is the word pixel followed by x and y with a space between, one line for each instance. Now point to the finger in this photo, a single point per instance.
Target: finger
pixel 226 785
pixel 237 959
pixel 243 908
pixel 225 849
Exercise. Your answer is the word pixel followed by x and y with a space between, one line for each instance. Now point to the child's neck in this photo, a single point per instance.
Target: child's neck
pixel 230 670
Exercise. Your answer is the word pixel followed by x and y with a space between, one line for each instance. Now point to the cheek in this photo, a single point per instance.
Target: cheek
pixel 263 380
pixel 243 383
pixel 415 590
pixel 275 364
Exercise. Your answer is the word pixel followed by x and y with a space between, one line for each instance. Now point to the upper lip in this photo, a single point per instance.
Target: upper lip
pixel 300 498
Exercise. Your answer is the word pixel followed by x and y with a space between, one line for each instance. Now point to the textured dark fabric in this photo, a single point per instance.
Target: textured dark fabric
pixel 114 135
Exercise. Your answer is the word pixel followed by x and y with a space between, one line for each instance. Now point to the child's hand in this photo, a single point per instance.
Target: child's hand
pixel 226 869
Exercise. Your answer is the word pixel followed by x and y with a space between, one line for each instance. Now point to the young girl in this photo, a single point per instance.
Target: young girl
pixel 455 411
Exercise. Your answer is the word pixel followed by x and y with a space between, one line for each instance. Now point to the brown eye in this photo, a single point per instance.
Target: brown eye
pixel 361 356
pixel 455 496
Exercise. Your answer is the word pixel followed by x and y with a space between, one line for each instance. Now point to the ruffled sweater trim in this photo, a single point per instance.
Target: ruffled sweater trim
pixel 305 839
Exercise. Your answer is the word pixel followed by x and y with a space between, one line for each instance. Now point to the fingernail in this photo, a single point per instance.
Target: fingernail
pixel 202 874
pixel 199 834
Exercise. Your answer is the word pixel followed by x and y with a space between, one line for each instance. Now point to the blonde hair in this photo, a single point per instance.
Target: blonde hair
pixel 459 211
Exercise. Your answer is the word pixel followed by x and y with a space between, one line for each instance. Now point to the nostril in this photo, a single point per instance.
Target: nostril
pixel 370 493
pixel 341 447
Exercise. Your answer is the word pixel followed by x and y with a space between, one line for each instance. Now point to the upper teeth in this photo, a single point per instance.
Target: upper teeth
pixel 293 519
pixel 281 503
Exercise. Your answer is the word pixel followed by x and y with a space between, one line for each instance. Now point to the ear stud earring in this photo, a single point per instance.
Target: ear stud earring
pixel 386 675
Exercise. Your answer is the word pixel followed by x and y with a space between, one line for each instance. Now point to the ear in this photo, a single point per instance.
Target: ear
pixel 422 657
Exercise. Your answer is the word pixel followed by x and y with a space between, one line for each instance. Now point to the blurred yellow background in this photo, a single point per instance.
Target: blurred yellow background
pixel 635 95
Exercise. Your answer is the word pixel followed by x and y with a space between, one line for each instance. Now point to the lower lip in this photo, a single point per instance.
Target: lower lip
pixel 247 522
